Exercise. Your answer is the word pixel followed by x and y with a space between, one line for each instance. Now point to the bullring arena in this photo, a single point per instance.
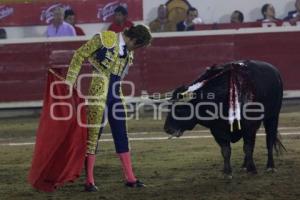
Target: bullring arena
pixel 188 167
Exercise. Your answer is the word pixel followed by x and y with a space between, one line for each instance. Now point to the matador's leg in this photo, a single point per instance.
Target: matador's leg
pixel 117 120
pixel 96 107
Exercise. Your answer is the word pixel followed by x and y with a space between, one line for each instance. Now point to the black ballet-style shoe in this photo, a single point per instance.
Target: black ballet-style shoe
pixel 90 188
pixel 136 184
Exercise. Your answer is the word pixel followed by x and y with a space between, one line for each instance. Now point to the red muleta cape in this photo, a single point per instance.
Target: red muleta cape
pixel 60 144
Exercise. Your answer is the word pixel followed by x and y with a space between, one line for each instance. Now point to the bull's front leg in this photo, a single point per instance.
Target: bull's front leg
pixel 225 150
pixel 226 153
pixel 249 143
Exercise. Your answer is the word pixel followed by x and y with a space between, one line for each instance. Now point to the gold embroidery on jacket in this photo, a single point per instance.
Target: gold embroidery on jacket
pixel 112 64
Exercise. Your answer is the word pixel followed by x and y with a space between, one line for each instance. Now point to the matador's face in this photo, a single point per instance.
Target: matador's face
pixel 131 45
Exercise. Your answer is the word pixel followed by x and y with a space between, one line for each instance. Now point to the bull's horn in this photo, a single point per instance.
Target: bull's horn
pixel 161 97
pixel 187 96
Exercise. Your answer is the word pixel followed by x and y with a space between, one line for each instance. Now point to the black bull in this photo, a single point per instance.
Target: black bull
pixel 260 96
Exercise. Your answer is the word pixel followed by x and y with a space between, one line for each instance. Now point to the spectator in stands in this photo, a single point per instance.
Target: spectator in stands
pixel 162 23
pixel 294 16
pixel 268 12
pixel 70 18
pixel 237 17
pixel 58 27
pixel 3 33
pixel 120 20
pixel 188 24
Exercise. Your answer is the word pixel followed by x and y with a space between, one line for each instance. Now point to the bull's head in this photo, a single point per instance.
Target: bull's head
pixel 180 116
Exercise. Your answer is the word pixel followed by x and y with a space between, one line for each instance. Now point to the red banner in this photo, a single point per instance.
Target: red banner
pixel 92 11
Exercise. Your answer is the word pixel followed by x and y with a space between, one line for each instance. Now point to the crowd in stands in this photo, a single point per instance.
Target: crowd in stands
pixel 58 26
pixel 3 33
pixel 294 16
pixel 63 23
pixel 237 17
pixel 162 22
pixel 188 24
pixel 70 18
pixel 120 20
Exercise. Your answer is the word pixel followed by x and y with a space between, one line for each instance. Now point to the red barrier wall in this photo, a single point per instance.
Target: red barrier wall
pixel 41 12
pixel 168 63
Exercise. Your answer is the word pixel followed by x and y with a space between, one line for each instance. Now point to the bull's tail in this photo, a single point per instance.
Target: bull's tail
pixel 273 136
pixel 278 146
pixel 272 118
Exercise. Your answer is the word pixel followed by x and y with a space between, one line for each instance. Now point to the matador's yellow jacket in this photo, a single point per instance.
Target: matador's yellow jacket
pixel 107 53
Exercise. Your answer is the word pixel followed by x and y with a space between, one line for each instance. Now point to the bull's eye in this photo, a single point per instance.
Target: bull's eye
pixel 179 96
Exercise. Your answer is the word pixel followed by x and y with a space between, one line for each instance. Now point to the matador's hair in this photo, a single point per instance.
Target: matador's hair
pixel 141 33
